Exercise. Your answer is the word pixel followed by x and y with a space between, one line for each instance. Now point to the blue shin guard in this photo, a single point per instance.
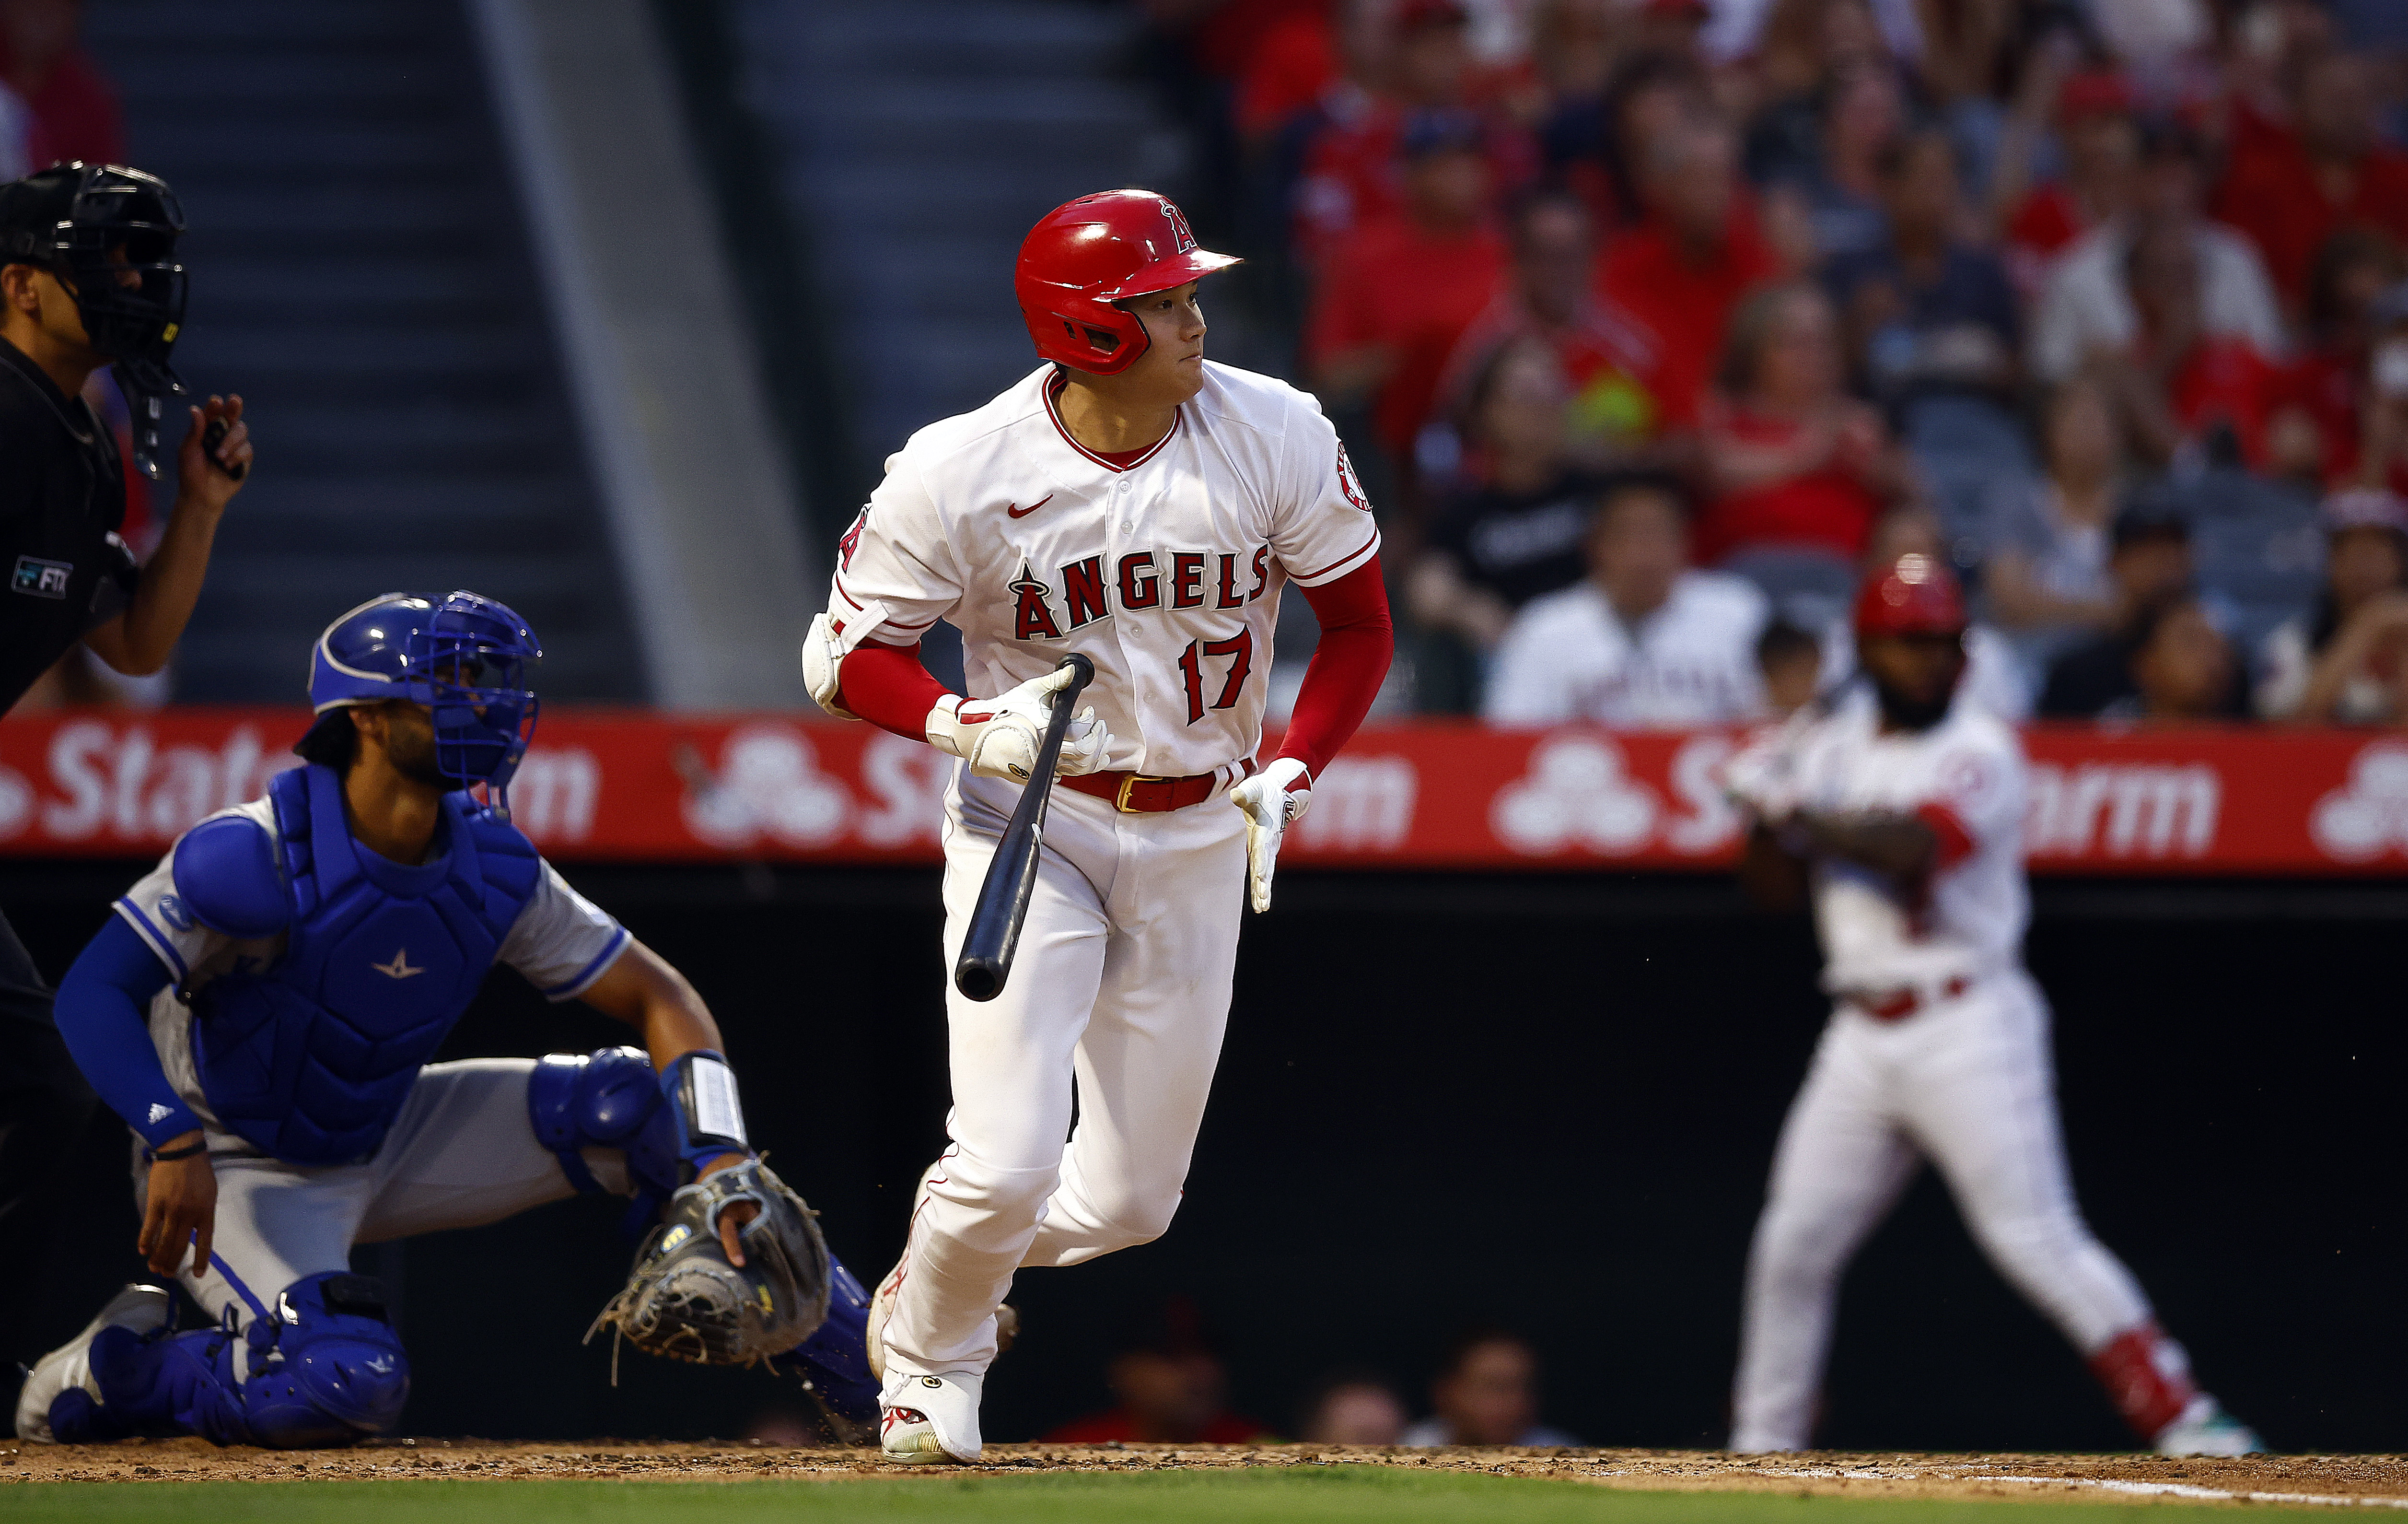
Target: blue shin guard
pixel 836 1358
pixel 323 1368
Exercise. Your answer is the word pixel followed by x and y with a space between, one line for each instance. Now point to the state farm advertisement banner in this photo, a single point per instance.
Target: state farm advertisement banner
pixel 604 785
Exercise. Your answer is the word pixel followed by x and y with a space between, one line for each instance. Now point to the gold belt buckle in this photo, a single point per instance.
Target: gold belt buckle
pixel 1121 802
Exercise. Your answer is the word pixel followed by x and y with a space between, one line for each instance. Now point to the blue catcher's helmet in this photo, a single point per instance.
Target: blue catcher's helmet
pixel 469 659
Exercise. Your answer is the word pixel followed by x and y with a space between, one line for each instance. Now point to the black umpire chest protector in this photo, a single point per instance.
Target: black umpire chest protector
pixel 62 502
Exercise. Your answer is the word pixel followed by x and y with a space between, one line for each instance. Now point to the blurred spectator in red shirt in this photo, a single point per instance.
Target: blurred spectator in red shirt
pixel 1171 1388
pixel 1351 178
pixel 1793 462
pixel 2085 304
pixel 2100 145
pixel 2328 171
pixel 1397 295
pixel 1683 270
pixel 1290 58
pixel 1600 152
pixel 2185 389
pixel 2353 271
pixel 74 108
pixel 2382 459
pixel 1609 358
pixel 2346 661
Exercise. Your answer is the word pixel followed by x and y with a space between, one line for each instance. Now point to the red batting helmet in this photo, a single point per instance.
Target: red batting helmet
pixel 1918 596
pixel 1086 254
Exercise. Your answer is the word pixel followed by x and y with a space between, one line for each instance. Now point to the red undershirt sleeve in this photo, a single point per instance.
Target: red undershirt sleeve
pixel 1357 640
pixel 887 686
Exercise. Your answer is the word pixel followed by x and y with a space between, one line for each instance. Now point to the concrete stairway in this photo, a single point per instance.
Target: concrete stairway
pixel 920 139
pixel 361 276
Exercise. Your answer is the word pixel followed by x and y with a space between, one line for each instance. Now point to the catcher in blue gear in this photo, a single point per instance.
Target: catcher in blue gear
pixel 262 1010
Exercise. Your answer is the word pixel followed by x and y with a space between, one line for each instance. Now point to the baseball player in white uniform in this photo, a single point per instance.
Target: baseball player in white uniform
pixel 1130 502
pixel 1901 812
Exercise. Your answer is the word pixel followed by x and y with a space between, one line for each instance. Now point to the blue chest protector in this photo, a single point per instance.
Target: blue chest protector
pixel 309 1060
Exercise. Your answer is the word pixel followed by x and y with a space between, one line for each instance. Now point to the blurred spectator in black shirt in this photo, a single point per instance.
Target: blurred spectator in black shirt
pixel 2346 661
pixel 1862 117
pixel 2183 669
pixel 1929 312
pixel 74 107
pixel 2149 565
pixel 1513 528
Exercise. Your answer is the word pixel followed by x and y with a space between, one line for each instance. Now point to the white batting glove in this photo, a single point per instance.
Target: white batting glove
pixel 822 655
pixel 1270 800
pixel 998 737
pixel 1763 778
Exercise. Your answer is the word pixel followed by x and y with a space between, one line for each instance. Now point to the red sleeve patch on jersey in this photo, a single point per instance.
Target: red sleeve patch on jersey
pixel 1956 844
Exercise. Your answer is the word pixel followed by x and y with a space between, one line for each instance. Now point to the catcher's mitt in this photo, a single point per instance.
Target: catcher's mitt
pixel 684 1300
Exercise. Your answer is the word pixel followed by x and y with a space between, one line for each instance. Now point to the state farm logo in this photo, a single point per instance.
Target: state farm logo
pixel 2367 816
pixel 100 783
pixel 768 787
pixel 2123 810
pixel 1580 793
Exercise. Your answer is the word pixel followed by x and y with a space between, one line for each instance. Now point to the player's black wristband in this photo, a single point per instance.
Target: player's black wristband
pixel 168 1156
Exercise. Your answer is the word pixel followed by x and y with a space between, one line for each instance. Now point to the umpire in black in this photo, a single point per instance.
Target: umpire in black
pixel 88 278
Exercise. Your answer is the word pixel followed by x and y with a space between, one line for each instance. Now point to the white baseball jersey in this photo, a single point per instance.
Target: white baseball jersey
pixel 1968 918
pixel 1962 1077
pixel 1164 572
pixel 1570 656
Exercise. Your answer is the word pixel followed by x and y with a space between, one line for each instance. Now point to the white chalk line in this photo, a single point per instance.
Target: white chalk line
pixel 2166 1490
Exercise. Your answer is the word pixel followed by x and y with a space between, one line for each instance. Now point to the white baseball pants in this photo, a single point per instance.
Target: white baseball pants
pixel 1969 1084
pixel 1122 983
pixel 461 1154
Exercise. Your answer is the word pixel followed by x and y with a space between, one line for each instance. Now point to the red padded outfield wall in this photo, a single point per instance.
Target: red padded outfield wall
pixel 622 786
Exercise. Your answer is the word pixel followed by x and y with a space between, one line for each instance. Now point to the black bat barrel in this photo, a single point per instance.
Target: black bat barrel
pixel 1002 904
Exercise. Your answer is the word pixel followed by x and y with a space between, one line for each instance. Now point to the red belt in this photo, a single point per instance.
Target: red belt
pixel 1900 1004
pixel 1140 794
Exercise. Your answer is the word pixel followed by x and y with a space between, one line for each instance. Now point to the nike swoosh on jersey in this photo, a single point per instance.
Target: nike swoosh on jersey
pixel 1015 510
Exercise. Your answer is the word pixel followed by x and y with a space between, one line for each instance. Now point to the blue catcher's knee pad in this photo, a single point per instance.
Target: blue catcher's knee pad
pixel 327 1367
pixel 837 1355
pixel 608 1099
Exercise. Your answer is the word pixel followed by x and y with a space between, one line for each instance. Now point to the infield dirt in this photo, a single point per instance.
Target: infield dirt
pixel 2262 1479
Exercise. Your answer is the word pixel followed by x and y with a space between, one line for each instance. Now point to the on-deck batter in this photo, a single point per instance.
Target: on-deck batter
pixel 1907 809
pixel 1131 502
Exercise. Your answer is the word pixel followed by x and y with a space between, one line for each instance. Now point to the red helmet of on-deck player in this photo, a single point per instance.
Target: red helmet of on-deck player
pixel 1086 254
pixel 1918 596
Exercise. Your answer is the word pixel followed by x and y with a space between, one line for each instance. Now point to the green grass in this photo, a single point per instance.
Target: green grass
pixel 1339 1495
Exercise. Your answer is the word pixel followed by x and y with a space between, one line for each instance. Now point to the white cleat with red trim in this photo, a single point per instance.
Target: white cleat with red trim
pixel 930 1420
pixel 2206 1428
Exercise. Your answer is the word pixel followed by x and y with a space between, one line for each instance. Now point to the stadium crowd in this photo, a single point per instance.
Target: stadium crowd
pixel 1652 322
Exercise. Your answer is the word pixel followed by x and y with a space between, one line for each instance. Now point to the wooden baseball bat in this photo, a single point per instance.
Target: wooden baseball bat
pixel 1002 904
